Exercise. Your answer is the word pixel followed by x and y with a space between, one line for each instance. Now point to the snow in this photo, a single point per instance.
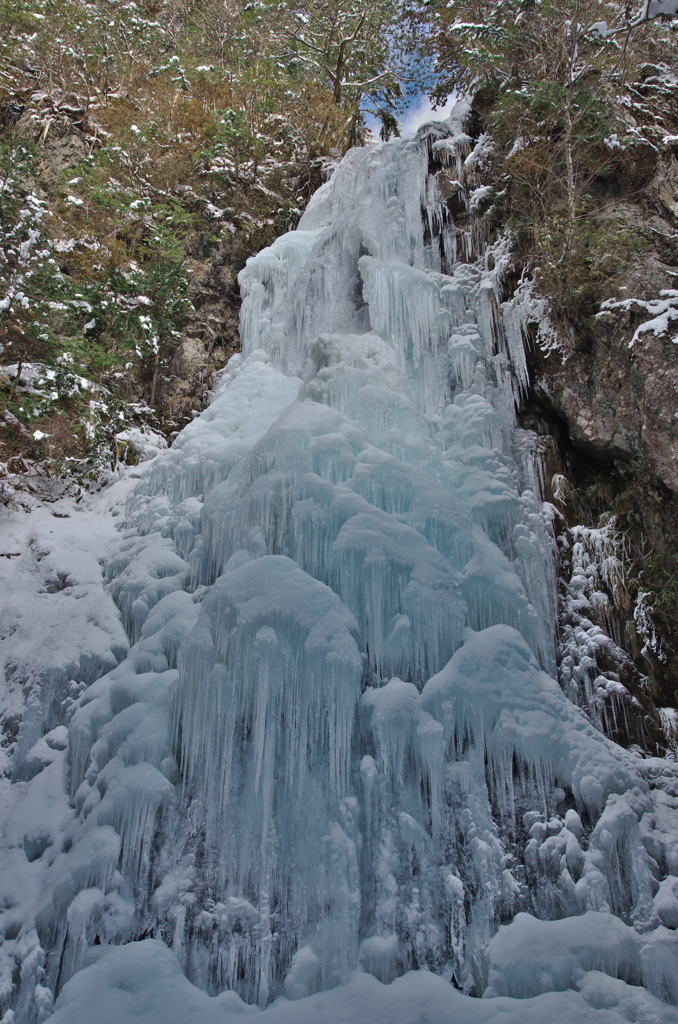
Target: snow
pixel 59 627
pixel 528 956
pixel 666 902
pixel 284 693
pixel 664 310
pixel 142 982
pixel 59 630
pixel 145 443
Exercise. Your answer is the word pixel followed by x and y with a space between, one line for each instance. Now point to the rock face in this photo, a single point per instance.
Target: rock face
pixel 210 337
pixel 609 396
pixel 619 398
pixel 63 144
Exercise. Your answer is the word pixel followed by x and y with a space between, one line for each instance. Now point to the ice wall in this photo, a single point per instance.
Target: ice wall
pixel 336 741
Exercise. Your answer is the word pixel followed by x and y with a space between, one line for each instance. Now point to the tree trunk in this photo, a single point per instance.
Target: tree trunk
pixel 156 364
pixel 568 115
pixel 570 168
pixel 339 73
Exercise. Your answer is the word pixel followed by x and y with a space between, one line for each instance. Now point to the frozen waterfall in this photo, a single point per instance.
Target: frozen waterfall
pixel 335 744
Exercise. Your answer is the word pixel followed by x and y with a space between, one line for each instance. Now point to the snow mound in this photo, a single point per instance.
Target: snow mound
pixel 143 982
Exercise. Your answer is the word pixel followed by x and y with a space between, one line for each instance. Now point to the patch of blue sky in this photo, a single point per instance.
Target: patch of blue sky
pixel 419 110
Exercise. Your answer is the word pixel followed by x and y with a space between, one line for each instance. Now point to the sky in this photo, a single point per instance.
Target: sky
pixel 421 111
pixel 418 112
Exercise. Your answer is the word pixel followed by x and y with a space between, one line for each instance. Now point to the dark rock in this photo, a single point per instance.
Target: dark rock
pixel 63 143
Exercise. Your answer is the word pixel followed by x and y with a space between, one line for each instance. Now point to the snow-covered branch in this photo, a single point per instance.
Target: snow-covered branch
pixel 649 10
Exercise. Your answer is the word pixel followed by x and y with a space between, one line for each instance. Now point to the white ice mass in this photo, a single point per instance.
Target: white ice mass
pixel 298 749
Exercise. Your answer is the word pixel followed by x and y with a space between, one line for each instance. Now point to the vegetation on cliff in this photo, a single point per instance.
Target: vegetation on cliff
pixel 137 142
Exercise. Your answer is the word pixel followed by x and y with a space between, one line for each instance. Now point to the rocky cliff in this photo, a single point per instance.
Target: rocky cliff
pixel 604 396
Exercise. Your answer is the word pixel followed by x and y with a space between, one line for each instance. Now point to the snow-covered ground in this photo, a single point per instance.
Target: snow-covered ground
pixel 142 982
pixel 58 624
pixel 59 630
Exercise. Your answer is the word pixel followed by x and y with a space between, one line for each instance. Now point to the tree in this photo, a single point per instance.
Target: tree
pixel 555 69
pixel 555 79
pixel 354 47
pixel 558 93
